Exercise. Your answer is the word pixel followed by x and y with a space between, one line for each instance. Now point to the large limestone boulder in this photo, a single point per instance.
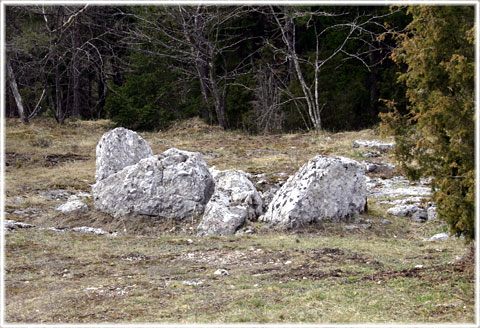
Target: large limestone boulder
pixel 325 188
pixel 117 149
pixel 235 200
pixel 173 185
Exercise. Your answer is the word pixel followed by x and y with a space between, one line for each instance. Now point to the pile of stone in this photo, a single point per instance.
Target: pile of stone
pixel 178 185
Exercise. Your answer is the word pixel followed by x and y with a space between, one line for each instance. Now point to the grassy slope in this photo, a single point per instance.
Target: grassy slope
pixel 151 276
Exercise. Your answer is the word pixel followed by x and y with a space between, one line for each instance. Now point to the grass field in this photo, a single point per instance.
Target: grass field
pixel 156 272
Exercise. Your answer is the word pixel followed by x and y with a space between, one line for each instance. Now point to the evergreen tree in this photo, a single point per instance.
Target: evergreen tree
pixel 435 138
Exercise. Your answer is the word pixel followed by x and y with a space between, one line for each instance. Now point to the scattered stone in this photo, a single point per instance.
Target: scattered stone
pixel 398 186
pixel 58 194
pixel 174 185
pixel 192 283
pixel 56 159
pixel 118 149
pixel 211 155
pixel 234 201
pixel 288 262
pixel 386 221
pixel 94 231
pixel 432 213
pixel 374 144
pixel 189 241
pixel 358 226
pixel 325 188
pixel 419 266
pixel 52 229
pixel 371 155
pixel 420 215
pixel 11 225
pixel 221 272
pixel 384 168
pixel 403 210
pixel 438 236
pixel 79 195
pixel 71 207
pixel 403 201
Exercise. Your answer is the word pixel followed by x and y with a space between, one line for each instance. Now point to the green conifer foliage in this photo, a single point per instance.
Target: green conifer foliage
pixel 436 137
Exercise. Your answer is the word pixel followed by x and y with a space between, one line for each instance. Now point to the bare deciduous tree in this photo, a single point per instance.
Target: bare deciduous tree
pixel 359 27
pixel 197 38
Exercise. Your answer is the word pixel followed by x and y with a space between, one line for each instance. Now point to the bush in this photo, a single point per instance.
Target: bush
pixel 436 137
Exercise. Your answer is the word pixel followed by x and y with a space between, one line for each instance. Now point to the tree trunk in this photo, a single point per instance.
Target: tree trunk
pixel 76 70
pixel 16 93
pixel 101 97
pixel 372 81
pixel 59 110
pixel 202 68
pixel 218 99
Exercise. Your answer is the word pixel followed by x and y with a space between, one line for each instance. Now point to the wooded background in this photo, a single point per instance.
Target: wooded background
pixel 264 69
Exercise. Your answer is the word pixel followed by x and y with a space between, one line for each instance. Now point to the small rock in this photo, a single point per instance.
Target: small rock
pixel 420 215
pixel 221 272
pixel 418 266
pixel 402 210
pixel 438 236
pixel 371 155
pixel 189 241
pixel 13 225
pixel 385 221
pixel 74 206
pixel 95 231
pixel 374 144
pixel 288 262
pixel 84 194
pixel 58 194
pixel 358 226
pixel 432 213
pixel 192 283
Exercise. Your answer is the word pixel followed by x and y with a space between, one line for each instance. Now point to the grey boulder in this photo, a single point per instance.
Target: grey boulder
pixel 325 188
pixel 118 149
pixel 174 185
pixel 235 200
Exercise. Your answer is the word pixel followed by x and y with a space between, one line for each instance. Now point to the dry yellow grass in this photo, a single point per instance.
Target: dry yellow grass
pixel 146 275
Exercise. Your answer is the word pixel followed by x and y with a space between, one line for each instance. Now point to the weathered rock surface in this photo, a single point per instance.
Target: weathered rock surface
pixel 403 210
pixel 373 144
pixel 415 212
pixel 438 236
pixel 398 186
pixel 173 185
pixel 432 213
pixel 72 206
pixel 235 200
pixel 94 231
pixel 117 149
pixel 10 225
pixel 326 188
pixel 420 215
pixel 377 167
